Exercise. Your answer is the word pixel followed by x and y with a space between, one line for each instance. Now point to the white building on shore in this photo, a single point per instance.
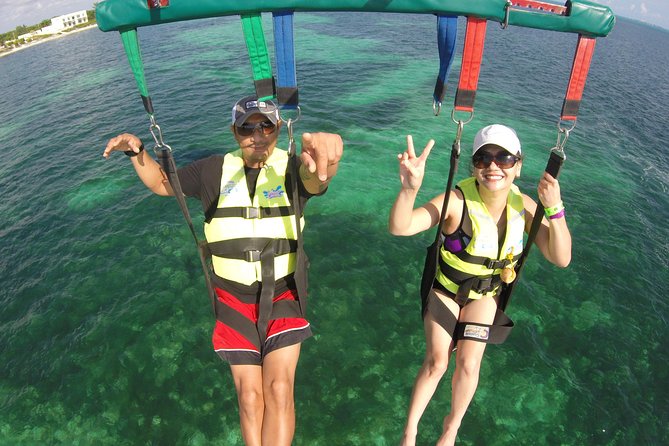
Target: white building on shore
pixel 58 24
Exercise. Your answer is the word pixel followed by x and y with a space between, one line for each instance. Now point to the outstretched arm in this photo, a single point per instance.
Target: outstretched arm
pixel 404 219
pixel 320 157
pixel 553 238
pixel 148 170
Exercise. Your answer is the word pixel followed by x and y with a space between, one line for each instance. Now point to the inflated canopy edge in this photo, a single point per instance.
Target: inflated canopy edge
pixel 585 18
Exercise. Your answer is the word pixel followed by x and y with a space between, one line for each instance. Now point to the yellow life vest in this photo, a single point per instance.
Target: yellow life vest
pixel 478 266
pixel 241 228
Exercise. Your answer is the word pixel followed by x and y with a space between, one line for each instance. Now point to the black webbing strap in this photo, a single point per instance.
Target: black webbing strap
pixel 250 249
pixel 490 334
pixel 167 162
pixel 238 322
pixel 251 212
pixel 267 289
pixel 485 261
pixel 301 262
pixel 432 256
pixel 553 167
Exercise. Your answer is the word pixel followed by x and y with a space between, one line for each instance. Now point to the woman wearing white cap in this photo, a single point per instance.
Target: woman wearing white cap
pixel 483 237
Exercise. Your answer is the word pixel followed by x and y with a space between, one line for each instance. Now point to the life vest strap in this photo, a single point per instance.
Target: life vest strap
pixel 253 212
pixel 251 249
pixel 485 261
pixel 479 284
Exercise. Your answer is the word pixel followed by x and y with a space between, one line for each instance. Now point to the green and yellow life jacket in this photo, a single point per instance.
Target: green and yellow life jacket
pixel 474 272
pixel 242 229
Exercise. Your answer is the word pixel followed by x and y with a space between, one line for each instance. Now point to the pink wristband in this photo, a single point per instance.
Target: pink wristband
pixel 558 215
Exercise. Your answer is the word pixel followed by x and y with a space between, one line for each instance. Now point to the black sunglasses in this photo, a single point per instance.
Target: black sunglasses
pixel 266 128
pixel 503 160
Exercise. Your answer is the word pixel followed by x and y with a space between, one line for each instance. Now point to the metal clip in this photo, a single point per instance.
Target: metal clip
pixel 457 121
pixel 251 213
pixel 291 139
pixel 436 107
pixel 252 255
pixel 507 9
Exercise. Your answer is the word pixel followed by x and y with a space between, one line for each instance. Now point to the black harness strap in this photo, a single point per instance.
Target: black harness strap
pixel 250 249
pixel 251 212
pixel 285 308
pixel 490 334
pixel 441 314
pixel 302 261
pixel 485 261
pixel 553 167
pixel 432 257
pixel 167 162
pixel 238 322
pixel 267 290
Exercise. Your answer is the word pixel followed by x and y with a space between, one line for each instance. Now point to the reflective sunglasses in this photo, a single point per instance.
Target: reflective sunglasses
pixel 266 128
pixel 503 160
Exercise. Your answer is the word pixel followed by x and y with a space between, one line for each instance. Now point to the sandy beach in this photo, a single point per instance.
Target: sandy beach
pixel 46 39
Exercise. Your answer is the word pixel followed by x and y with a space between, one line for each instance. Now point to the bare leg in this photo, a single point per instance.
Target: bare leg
pixel 438 349
pixel 467 366
pixel 248 383
pixel 278 382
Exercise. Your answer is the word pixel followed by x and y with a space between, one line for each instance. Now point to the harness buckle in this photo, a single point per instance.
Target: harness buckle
pixel 496 264
pixel 483 285
pixel 252 255
pixel 251 213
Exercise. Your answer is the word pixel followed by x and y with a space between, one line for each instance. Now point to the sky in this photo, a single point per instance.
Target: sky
pixel 30 12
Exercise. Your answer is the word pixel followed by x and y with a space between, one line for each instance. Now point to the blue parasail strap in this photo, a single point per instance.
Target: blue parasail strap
pixel 447 31
pixel 286 87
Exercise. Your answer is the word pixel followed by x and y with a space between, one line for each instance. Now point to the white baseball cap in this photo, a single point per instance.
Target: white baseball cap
pixel 499 135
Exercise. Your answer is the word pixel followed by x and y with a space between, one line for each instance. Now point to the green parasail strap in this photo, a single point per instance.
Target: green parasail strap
pixel 260 61
pixel 164 152
pixel 131 46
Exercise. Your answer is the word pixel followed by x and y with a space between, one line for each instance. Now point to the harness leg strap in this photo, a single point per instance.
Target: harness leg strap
pixel 496 333
pixel 441 314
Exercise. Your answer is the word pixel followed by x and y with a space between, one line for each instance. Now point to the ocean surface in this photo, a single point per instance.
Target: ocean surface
pixel 105 322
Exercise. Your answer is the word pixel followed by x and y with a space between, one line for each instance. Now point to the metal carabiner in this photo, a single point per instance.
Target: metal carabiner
pixel 297 118
pixel 157 134
pixel 291 140
pixel 459 121
pixel 458 135
pixel 507 9
pixel 562 137
pixel 436 107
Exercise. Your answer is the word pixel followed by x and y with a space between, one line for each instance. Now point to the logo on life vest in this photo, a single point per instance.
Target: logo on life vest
pixel 476 332
pixel 273 193
pixel 228 188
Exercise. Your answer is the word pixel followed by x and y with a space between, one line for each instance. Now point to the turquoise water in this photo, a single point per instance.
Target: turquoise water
pixel 105 323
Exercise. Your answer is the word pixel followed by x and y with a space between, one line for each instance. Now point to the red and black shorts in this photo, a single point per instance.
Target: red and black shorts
pixel 237 349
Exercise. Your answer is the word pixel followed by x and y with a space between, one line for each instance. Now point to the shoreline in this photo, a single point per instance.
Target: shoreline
pixel 46 39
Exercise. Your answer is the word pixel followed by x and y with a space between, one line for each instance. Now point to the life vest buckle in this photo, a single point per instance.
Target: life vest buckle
pixel 252 255
pixel 251 213
pixel 496 264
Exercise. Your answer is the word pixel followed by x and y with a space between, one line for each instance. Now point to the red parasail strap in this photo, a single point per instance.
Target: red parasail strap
pixel 579 73
pixel 471 64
